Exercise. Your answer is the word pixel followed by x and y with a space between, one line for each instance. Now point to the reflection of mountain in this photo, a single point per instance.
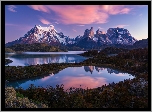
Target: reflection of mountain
pixel 34 59
pixel 84 81
pixel 112 71
pixel 99 68
pixel 89 68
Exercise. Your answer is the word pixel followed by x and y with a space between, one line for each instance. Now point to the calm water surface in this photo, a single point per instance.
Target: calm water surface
pixel 86 76
pixel 34 58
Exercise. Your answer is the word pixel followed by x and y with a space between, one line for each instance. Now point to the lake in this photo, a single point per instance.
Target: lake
pixel 86 76
pixel 34 58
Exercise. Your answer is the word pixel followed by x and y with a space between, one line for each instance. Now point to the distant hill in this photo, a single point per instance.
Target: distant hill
pixel 141 43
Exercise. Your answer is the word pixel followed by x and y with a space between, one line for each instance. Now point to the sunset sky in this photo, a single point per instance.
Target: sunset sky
pixel 72 20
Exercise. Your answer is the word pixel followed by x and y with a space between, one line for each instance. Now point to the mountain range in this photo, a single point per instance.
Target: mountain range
pixel 48 35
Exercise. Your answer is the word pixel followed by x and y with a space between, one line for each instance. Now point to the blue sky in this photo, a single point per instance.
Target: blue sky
pixel 74 19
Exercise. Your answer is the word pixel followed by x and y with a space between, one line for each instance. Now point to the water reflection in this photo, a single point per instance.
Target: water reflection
pixel 98 69
pixel 86 76
pixel 34 59
pixel 84 81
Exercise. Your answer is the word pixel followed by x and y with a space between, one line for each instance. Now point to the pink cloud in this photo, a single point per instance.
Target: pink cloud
pixel 79 14
pixel 81 25
pixel 44 21
pixel 85 81
pixel 82 14
pixel 74 30
pixel 115 9
pixel 42 8
pixel 12 8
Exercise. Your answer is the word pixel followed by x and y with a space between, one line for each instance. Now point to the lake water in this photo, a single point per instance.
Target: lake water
pixel 86 76
pixel 34 58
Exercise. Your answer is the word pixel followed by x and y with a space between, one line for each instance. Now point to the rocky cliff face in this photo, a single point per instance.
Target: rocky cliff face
pixel 113 36
pixel 120 36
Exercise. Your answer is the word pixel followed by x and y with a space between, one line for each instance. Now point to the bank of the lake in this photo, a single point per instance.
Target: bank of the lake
pixel 106 96
pixel 86 76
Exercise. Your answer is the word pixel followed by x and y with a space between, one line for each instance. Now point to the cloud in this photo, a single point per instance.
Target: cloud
pixel 12 8
pixel 81 25
pixel 85 81
pixel 121 26
pixel 42 8
pixel 56 22
pixel 100 27
pixel 115 9
pixel 82 14
pixel 74 30
pixel 44 21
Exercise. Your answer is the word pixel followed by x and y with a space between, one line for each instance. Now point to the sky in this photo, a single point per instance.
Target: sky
pixel 73 20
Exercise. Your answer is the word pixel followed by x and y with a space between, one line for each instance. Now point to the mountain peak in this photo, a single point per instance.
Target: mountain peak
pixel 50 36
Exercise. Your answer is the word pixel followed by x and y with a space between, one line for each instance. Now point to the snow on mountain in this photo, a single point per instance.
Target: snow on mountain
pixel 49 35
pixel 40 34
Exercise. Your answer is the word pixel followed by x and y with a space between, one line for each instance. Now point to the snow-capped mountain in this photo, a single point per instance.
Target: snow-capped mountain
pixel 113 36
pixel 50 36
pixel 120 36
pixel 40 34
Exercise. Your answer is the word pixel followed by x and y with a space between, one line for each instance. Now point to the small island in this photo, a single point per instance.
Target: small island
pixel 7 61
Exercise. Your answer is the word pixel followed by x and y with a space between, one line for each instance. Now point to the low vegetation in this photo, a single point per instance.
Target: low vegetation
pixel 9 50
pixel 41 47
pixel 125 94
pixel 15 99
